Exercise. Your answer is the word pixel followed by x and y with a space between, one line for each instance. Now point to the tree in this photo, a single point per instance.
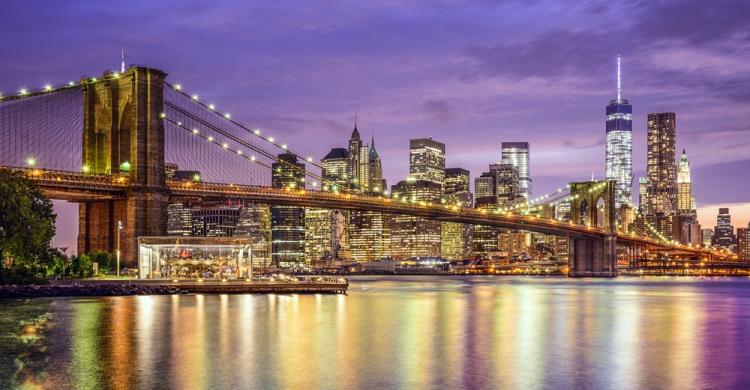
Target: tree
pixel 27 226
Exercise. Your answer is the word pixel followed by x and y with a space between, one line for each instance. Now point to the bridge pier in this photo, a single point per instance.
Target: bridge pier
pixel 593 257
pixel 124 135
pixel 593 205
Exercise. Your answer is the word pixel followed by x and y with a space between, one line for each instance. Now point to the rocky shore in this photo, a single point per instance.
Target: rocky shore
pixel 85 290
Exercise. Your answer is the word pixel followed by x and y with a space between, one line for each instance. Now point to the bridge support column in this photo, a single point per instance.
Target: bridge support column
pixel 595 257
pixel 123 135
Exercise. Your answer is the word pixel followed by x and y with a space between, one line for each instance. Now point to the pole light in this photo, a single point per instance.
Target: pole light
pixel 119 229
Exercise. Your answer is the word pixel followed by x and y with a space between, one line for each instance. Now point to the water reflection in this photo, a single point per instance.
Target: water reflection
pixel 417 332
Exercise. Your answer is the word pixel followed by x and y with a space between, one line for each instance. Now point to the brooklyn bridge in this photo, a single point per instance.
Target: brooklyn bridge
pixel 102 142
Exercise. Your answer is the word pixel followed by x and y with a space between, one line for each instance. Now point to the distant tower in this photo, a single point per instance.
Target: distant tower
pixel 518 154
pixel 122 63
pixel 619 144
pixel 357 165
pixel 684 187
pixel 661 169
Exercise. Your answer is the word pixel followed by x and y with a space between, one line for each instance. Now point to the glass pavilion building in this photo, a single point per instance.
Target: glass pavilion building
pixel 619 145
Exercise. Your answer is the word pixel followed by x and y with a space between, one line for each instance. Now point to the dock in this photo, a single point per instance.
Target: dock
pixel 306 285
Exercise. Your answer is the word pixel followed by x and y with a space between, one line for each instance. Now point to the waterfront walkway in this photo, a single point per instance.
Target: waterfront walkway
pixel 291 285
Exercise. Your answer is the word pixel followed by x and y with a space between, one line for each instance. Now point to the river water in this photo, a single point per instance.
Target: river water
pixel 392 332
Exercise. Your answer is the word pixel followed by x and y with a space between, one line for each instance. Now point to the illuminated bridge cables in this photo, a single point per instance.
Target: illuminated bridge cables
pixel 212 140
pixel 238 151
pixel 254 131
pixel 235 139
pixel 42 130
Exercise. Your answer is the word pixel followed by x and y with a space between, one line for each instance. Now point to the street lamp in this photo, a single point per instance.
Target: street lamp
pixel 119 229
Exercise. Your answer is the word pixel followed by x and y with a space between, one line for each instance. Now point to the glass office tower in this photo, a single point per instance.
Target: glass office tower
pixel 619 145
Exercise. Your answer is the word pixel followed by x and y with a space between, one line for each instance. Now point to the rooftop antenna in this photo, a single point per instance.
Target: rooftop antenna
pixel 619 86
pixel 122 63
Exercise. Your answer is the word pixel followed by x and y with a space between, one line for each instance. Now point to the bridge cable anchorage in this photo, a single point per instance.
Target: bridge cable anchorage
pixel 256 132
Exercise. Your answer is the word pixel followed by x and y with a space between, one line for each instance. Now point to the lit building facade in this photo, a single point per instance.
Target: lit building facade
pixel 518 154
pixel 724 230
pixel 217 221
pixel 484 239
pixel 367 231
pixel 619 145
pixel 661 168
pixel 179 219
pixel 455 238
pixel 427 160
pixel 357 162
pixel 318 234
pixel 254 222
pixel 743 243
pixel 335 176
pixel 377 183
pixel 287 222
pixel 685 202
pixel 335 170
pixel 415 236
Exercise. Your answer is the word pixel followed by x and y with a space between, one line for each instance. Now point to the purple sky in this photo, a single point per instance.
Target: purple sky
pixel 470 74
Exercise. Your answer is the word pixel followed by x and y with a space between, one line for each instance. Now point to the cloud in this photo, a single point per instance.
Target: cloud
pixel 438 110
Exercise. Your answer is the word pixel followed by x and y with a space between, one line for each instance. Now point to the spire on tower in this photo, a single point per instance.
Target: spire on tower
pixel 355 133
pixel 122 59
pixel 619 86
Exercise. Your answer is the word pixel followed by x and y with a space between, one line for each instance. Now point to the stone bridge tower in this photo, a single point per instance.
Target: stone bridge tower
pixel 593 204
pixel 123 134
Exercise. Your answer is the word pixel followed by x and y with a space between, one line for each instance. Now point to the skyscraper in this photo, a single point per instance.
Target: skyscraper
pixel 743 243
pixel 216 221
pixel 427 160
pixel 287 222
pixel 318 233
pixel 255 222
pixel 502 183
pixel 724 230
pixel 497 188
pixel 619 145
pixel 684 187
pixel 455 238
pixel 357 164
pixel 376 184
pixel 335 176
pixel 335 170
pixel 368 234
pixel 415 236
pixel 518 155
pixel 661 168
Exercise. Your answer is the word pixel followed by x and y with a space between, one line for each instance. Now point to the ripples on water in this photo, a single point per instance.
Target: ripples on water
pixel 405 332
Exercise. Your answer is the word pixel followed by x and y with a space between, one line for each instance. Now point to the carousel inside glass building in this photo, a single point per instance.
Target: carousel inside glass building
pixel 196 258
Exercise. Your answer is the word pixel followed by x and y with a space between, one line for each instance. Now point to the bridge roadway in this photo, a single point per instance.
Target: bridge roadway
pixel 80 187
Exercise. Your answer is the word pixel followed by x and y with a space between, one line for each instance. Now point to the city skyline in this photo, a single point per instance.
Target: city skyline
pixel 470 83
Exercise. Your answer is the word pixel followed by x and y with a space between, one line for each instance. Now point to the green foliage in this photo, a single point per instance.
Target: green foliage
pixel 81 267
pixel 107 261
pixel 27 226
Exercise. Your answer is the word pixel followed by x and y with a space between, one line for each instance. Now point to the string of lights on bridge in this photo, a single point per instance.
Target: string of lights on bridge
pixel 526 207
pixel 536 204
pixel 49 88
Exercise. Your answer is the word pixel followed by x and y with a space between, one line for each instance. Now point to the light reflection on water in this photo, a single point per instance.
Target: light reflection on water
pixel 408 332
